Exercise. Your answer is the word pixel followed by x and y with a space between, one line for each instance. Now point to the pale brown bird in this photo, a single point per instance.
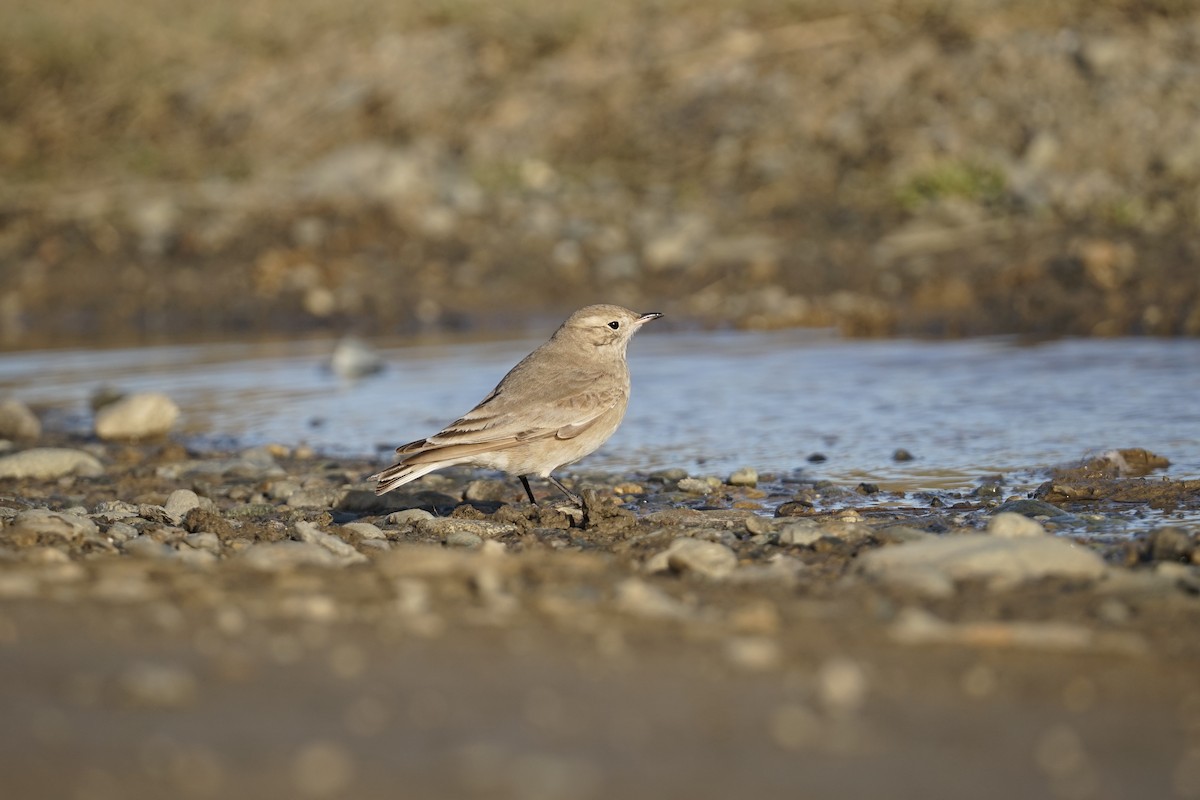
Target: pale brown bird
pixel 558 405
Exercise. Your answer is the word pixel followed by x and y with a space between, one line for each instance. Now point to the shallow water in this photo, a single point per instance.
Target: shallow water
pixel 709 402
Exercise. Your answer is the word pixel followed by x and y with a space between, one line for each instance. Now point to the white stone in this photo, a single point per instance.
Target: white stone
pixel 49 462
pixel 983 556
pixel 180 502
pixel 1010 525
pixel 17 421
pixel 53 523
pixel 137 416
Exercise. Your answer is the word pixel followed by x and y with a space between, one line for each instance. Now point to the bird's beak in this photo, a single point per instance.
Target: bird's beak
pixel 644 318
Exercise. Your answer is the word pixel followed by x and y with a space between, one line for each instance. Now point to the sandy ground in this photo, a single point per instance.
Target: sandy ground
pixel 255 640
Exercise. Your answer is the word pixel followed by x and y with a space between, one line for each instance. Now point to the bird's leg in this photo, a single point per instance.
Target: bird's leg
pixel 528 491
pixel 574 498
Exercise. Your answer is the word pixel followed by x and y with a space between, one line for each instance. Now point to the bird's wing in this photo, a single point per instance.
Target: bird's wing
pixel 518 412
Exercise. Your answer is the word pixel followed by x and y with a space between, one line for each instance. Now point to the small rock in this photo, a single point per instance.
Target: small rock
pixel 311 534
pixel 179 503
pixel 145 547
pixel 17 421
pixel 159 685
pixel 1030 508
pixel 695 486
pixel 441 528
pixel 800 533
pixel 636 597
pixel 42 522
pixel 365 530
pixel 1169 544
pixel 708 559
pixel 1009 525
pixel 137 416
pixel 321 497
pixel 49 462
pixel 487 491
pixel 900 455
pixel 459 538
pixel 279 556
pixel 208 542
pixel 753 652
pixel 407 516
pixel 982 556
pixel 353 358
pixel 746 476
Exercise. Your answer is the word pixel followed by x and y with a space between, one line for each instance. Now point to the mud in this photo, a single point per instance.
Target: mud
pixel 258 640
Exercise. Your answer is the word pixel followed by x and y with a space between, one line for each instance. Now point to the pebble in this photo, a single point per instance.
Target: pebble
pixel 979 555
pixel 636 597
pixel 695 486
pixel 408 515
pixel 309 533
pixel 841 685
pixel 49 462
pixel 746 476
pixel 279 556
pixel 801 533
pixel 755 653
pixel 179 503
pixel 919 627
pixel 42 522
pixel 365 530
pixel 137 416
pixel 353 358
pixel 461 538
pixel 320 497
pixel 159 685
pixel 208 542
pixel 1030 508
pixel 443 527
pixel 686 555
pixel 17 421
pixel 488 490
pixel 1010 525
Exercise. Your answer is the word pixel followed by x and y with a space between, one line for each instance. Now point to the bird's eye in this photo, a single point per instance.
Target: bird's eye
pixel 614 324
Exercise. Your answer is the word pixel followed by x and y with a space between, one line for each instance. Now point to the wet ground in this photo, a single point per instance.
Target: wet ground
pixel 258 623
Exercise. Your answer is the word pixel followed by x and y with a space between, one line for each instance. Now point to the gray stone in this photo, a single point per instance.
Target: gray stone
pixel 42 522
pixel 463 539
pixel 640 599
pixel 145 547
pixel 487 490
pixel 116 509
pixel 1009 525
pixel 311 534
pixel 695 486
pixel 685 555
pixel 981 556
pixel 137 416
pixel 443 527
pixel 120 532
pixel 321 497
pixel 279 556
pixel 49 462
pixel 1030 508
pixel 407 516
pixel 365 530
pixel 208 542
pixel 746 476
pixel 801 533
pixel 353 358
pixel 17 421
pixel 180 502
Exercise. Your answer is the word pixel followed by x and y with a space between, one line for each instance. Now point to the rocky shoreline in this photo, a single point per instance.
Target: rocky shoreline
pixel 269 573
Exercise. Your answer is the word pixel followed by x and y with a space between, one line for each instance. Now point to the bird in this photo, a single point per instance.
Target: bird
pixel 560 403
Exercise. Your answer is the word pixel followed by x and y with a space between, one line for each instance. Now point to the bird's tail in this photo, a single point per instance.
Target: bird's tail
pixel 399 474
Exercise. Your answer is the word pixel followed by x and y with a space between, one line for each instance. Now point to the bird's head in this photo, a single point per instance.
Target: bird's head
pixel 604 326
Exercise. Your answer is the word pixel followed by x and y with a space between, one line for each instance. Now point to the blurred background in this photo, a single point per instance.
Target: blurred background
pixel 174 172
